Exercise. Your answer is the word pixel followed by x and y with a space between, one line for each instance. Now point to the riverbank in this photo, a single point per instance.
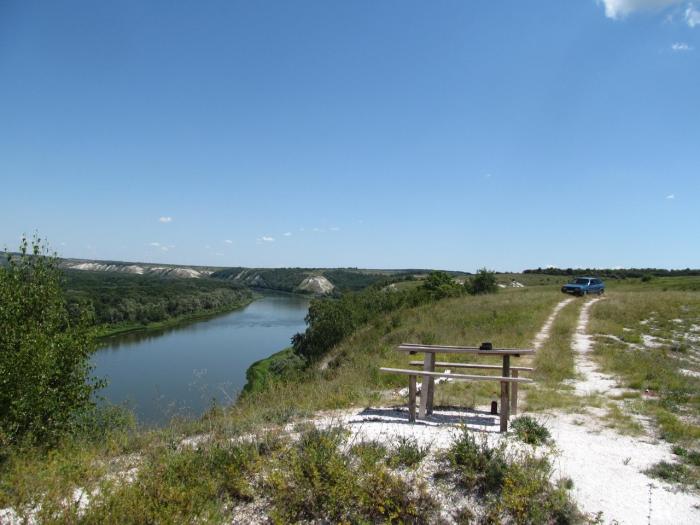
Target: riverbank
pixel 106 332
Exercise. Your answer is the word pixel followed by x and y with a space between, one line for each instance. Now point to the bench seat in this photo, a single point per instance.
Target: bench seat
pixel 466 377
pixel 474 365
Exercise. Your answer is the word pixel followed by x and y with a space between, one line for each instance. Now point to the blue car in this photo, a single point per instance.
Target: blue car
pixel 584 285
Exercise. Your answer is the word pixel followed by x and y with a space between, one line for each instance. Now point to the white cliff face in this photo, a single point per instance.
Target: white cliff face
pixel 316 284
pixel 187 273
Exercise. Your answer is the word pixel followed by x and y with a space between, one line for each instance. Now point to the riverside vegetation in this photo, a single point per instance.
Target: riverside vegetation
pixel 243 454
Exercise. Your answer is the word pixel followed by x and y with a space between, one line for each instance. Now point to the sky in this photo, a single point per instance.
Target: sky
pixel 370 133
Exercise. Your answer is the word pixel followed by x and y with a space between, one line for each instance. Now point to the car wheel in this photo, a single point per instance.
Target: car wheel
pixel 601 292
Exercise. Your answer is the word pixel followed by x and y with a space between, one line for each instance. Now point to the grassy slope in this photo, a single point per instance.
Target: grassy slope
pixel 510 318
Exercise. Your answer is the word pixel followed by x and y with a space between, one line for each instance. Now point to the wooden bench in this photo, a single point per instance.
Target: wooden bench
pixel 514 372
pixel 508 376
pixel 413 374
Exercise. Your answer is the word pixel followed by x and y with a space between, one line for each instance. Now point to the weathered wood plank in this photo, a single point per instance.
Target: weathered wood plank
pixel 514 393
pixel 474 365
pixel 412 399
pixel 425 387
pixel 505 395
pixel 461 377
pixel 444 349
pixel 431 383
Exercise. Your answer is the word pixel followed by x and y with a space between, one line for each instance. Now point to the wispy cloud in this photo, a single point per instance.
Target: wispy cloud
pixel 228 241
pixel 161 246
pixel 165 219
pixel 670 197
pixel 617 9
pixel 692 16
pixel 681 46
pixel 267 238
pixel 287 234
pixel 334 229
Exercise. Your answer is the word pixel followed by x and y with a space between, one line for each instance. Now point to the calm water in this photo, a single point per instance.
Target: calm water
pixel 178 371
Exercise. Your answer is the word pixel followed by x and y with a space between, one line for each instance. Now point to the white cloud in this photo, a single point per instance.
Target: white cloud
pixel 228 241
pixel 487 176
pixel 320 230
pixel 670 196
pixel 266 238
pixel 681 46
pixel 692 16
pixel 163 247
pixel 334 229
pixel 165 220
pixel 287 234
pixel 617 9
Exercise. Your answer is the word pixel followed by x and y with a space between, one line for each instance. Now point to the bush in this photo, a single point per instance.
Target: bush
pixel 530 431
pixel 482 283
pixel 440 285
pixel 45 383
pixel 317 481
pixel 514 488
pixel 407 453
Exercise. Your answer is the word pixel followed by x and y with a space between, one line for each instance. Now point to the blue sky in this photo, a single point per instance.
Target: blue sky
pixel 446 134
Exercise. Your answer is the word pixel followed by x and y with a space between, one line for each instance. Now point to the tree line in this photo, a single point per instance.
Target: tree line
pixel 616 273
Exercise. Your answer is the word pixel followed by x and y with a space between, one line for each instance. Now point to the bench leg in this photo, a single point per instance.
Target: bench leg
pixel 431 385
pixel 429 366
pixel 505 395
pixel 412 399
pixel 514 395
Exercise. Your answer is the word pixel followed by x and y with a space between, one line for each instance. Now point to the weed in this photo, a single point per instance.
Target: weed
pixel 407 453
pixel 673 473
pixel 316 480
pixel 528 430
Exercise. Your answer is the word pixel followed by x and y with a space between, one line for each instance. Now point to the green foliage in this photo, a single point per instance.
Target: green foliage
pixel 529 431
pixel 128 299
pixel 674 473
pixel 482 283
pixel 318 480
pixel 477 465
pixel 45 382
pixel 352 280
pixel 281 365
pixel 178 486
pixel 440 285
pixel 516 488
pixel 407 453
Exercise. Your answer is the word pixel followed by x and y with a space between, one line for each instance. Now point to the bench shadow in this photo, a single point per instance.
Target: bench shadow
pixel 442 415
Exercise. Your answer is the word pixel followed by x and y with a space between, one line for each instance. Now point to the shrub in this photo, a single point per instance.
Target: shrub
pixel 671 472
pixel 440 285
pixel 316 480
pixel 45 382
pixel 476 465
pixel 528 430
pixel 514 488
pixel 407 453
pixel 483 282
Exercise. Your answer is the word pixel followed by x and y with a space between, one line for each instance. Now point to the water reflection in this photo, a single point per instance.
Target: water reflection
pixel 181 370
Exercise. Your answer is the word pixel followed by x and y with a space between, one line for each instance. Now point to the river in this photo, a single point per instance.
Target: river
pixel 178 371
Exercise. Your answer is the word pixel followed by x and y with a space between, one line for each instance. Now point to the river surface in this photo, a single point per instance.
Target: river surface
pixel 178 371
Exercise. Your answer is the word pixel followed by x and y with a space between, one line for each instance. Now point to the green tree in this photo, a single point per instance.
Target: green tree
pixel 440 284
pixel 45 383
pixel 482 283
